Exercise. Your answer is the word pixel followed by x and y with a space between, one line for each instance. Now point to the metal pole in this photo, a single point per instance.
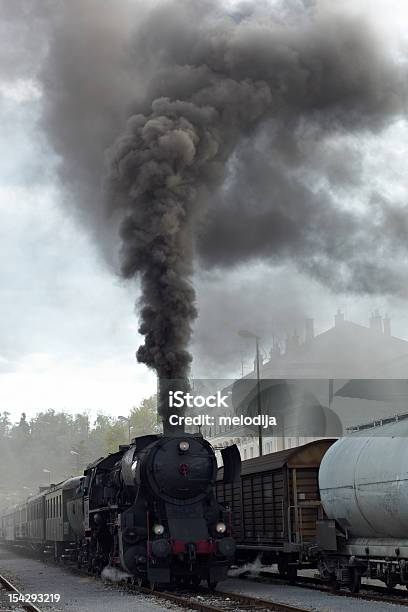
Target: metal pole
pixel 258 397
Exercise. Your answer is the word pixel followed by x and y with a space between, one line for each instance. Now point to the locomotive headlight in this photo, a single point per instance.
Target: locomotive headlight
pixel 158 529
pixel 220 527
pixel 184 446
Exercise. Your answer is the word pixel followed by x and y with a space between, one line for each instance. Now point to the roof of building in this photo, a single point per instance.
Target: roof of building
pixel 347 350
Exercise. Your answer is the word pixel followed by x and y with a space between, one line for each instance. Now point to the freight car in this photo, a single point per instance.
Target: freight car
pixel 363 482
pixel 275 507
pixel 149 509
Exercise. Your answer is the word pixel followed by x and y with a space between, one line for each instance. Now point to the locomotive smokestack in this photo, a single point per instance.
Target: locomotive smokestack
pixel 165 387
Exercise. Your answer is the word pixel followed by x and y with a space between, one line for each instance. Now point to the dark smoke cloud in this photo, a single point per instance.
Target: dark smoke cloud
pixel 223 111
pixel 268 213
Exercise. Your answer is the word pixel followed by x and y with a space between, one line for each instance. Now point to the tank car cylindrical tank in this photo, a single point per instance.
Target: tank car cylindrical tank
pixel 363 482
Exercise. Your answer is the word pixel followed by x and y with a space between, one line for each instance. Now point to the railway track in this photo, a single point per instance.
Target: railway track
pixel 378 594
pixel 201 599
pixel 7 588
pixel 219 601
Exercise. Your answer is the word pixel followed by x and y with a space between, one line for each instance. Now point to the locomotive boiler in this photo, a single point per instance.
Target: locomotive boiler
pixel 151 510
pixel 363 481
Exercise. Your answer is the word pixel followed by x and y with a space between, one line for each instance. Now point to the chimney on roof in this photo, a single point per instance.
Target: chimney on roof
pixel 387 325
pixel 338 318
pixel 376 322
pixel 309 330
pixel 292 342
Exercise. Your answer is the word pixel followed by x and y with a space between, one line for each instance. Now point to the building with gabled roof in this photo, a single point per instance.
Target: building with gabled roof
pixel 321 366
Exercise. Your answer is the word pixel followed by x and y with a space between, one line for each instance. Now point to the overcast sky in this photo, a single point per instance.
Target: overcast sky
pixel 68 328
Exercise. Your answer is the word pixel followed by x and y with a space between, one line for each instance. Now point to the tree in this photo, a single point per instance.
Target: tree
pixel 143 418
pixel 63 444
pixel 116 434
pixel 5 424
pixel 23 426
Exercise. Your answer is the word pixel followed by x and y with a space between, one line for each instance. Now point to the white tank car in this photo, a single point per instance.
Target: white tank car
pixel 363 482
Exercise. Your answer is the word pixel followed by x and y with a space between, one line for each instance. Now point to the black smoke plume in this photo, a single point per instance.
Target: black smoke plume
pixel 201 123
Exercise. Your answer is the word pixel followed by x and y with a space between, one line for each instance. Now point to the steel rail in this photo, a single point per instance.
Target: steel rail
pixel 222 598
pixel 315 584
pixel 26 605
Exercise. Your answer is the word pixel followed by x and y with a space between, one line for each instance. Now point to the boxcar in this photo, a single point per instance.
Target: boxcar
pixel 275 506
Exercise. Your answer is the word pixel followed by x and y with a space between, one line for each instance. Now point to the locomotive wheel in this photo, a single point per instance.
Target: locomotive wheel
pixel 355 582
pixel 292 574
pixel 282 568
pixel 212 585
pixel 334 585
pixel 195 581
pixel 152 586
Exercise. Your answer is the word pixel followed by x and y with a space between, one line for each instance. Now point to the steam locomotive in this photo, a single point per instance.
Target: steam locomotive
pixel 149 509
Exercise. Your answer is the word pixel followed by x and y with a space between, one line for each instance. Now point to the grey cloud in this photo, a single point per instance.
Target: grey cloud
pixel 199 88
